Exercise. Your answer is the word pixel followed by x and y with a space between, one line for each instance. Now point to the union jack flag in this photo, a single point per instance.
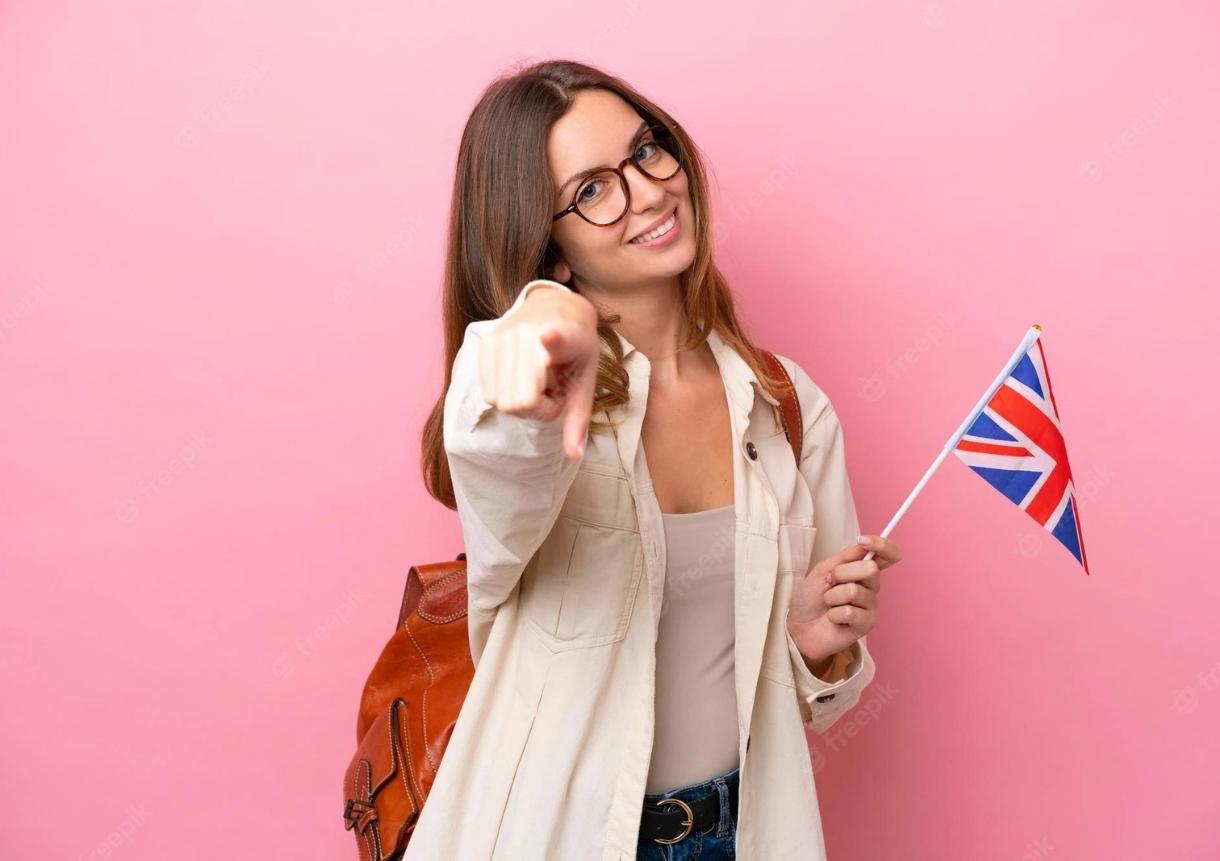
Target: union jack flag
pixel 1016 444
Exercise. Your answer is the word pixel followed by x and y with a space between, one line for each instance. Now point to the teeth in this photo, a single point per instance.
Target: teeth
pixel 660 231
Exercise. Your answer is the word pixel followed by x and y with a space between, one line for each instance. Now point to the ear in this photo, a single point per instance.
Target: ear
pixel 561 272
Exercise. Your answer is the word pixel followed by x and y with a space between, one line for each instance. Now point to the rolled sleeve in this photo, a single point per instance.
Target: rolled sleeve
pixel 823 703
pixel 510 474
pixel 824 467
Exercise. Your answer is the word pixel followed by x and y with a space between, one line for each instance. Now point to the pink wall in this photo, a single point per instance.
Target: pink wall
pixel 222 237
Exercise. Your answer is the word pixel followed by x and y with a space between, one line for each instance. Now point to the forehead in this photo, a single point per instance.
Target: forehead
pixel 596 130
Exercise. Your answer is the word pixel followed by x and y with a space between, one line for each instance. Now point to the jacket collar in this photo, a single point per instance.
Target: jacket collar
pixel 740 381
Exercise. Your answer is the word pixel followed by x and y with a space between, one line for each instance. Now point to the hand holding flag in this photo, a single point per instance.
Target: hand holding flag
pixel 1013 440
pixel 835 603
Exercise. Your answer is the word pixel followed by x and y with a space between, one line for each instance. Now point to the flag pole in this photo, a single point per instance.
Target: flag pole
pixel 1027 341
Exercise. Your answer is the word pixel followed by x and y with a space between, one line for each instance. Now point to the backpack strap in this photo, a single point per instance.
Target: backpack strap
pixel 790 406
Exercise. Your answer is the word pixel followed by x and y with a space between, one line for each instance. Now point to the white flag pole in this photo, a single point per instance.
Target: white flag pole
pixel 1026 342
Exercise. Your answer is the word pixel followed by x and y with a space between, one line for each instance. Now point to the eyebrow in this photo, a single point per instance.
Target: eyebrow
pixel 639 133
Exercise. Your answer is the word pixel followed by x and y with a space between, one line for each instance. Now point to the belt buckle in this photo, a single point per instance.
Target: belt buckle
pixel 688 824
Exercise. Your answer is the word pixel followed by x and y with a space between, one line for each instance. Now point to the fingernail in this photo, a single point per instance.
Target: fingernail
pixel 865 540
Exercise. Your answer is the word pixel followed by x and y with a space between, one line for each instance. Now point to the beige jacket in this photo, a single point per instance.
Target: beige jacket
pixel 566 563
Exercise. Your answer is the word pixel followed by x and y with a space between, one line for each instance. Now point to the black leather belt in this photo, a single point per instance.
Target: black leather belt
pixel 673 819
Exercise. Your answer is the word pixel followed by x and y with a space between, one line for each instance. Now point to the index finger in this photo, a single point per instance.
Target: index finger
pixel 851 553
pixel 577 412
pixel 887 550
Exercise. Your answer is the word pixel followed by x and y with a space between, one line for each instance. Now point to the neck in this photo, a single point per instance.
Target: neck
pixel 652 318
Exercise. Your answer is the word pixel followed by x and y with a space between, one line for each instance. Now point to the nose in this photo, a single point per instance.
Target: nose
pixel 646 193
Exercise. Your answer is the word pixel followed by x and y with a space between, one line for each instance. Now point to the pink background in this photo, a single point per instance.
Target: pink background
pixel 222 240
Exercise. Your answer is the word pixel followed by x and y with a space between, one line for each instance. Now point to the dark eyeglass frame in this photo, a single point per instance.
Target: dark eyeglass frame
pixel 658 131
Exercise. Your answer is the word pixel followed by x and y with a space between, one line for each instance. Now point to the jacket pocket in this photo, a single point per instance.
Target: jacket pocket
pixel 580 588
pixel 796 547
pixel 795 550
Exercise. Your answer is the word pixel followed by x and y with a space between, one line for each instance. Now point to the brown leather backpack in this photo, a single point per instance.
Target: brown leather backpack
pixel 415 692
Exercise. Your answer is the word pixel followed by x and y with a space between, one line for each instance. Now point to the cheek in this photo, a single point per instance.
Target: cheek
pixel 681 190
pixel 582 243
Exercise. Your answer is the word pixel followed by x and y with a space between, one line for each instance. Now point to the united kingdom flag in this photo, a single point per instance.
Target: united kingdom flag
pixel 1016 444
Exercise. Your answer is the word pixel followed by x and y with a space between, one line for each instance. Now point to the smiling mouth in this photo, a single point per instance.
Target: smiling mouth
pixel 657 232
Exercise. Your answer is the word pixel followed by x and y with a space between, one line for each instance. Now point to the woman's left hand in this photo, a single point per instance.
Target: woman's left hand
pixel 835 603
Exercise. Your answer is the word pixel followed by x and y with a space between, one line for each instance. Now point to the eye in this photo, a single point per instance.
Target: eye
pixel 641 148
pixel 582 195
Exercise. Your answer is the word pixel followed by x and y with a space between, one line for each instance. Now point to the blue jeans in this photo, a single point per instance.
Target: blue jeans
pixel 718 843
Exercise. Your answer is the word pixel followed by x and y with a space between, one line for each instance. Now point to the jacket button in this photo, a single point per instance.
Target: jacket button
pixel 751 451
pixel 825 698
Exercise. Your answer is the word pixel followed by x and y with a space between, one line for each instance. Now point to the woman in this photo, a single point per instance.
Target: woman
pixel 637 622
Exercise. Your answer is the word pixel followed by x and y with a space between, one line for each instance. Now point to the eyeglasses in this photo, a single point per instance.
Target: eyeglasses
pixel 604 198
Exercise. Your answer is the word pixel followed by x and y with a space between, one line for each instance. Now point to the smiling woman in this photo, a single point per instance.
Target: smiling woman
pixel 602 195
pixel 605 420
pixel 624 204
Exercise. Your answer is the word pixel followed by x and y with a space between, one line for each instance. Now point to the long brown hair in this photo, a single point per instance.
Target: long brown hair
pixel 500 233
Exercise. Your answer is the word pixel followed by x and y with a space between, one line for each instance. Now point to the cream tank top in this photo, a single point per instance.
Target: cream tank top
pixel 696 702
